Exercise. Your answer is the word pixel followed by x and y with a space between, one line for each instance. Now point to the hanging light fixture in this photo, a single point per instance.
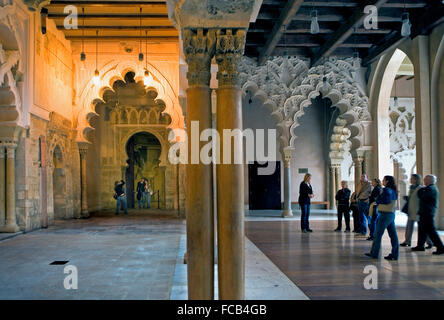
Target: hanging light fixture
pixel 43 16
pixel 82 54
pixel 314 27
pixel 148 78
pixel 406 25
pixel 140 42
pixel 395 98
pixel 96 78
pixel 356 60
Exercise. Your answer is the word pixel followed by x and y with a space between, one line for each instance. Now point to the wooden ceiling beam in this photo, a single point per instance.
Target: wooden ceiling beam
pixel 287 13
pixel 106 3
pixel 112 16
pixel 123 38
pixel 346 29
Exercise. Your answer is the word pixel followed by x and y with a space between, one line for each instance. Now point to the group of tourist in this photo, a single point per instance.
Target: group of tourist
pixel 373 206
pixel 143 194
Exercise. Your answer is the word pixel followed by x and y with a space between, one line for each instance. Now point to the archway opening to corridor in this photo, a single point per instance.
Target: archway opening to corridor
pixel 143 150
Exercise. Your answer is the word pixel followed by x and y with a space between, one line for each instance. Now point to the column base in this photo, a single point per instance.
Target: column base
pixel 287 213
pixel 85 214
pixel 9 228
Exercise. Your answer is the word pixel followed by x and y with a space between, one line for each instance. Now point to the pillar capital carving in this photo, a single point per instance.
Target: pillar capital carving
pixel 287 155
pixel 229 51
pixel 198 47
pixel 83 149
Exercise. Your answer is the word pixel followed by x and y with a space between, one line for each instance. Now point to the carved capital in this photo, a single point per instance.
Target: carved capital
pixel 229 52
pixel 34 4
pixel 198 47
pixel 83 149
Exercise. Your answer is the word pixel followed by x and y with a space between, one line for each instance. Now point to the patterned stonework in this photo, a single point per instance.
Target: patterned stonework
pixel 199 49
pixel 287 85
pixel 229 52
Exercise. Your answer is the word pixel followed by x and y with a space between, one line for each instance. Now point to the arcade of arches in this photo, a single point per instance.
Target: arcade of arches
pixel 65 138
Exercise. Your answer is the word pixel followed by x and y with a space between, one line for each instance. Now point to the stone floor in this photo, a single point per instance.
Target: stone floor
pixel 131 257
pixel 330 265
pixel 140 256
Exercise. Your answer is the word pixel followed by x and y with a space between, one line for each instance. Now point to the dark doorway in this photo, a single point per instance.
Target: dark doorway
pixel 264 190
pixel 143 150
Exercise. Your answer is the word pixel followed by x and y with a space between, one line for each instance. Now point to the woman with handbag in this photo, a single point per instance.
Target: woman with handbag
pixel 386 207
pixel 373 210
pixel 411 208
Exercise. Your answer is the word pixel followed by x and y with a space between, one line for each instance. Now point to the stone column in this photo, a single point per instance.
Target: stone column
pixel 83 148
pixel 198 47
pixel 287 212
pixel 338 177
pixel 2 187
pixel 358 160
pixel 332 187
pixel 230 176
pixel 11 221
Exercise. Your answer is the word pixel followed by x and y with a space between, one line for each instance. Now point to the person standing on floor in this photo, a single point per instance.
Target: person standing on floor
pixel 373 209
pixel 386 207
pixel 120 196
pixel 305 195
pixel 363 195
pixel 343 197
pixel 147 193
pixel 412 211
pixel 140 189
pixel 354 210
pixel 428 203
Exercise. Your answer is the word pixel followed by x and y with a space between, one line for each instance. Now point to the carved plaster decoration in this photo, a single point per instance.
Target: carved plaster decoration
pixel 402 130
pixel 116 70
pixel 229 52
pixel 287 86
pixel 199 50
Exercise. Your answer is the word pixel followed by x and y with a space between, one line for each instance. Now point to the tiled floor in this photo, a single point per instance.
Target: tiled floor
pixel 140 257
pixel 330 265
pixel 120 257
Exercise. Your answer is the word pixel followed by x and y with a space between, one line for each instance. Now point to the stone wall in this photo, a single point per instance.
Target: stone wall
pixel 56 132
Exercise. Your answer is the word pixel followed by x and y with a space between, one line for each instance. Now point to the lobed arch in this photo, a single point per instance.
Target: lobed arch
pixel 114 71
pixel 287 86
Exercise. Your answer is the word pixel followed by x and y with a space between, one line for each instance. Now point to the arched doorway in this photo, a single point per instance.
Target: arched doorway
pixel 143 150
pixel 59 184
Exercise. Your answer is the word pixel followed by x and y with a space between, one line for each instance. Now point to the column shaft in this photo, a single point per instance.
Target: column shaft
pixel 199 212
pixel 11 221
pixel 332 188
pixel 84 194
pixel 2 187
pixel 230 201
pixel 198 47
pixel 230 176
pixel 287 192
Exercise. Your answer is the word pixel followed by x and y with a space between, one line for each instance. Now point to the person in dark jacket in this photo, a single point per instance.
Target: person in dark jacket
pixel 386 206
pixel 377 190
pixel 343 198
pixel 428 203
pixel 140 190
pixel 121 197
pixel 305 195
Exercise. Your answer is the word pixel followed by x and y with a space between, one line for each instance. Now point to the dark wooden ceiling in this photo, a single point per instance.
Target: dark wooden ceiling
pixel 283 27
pixel 116 19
